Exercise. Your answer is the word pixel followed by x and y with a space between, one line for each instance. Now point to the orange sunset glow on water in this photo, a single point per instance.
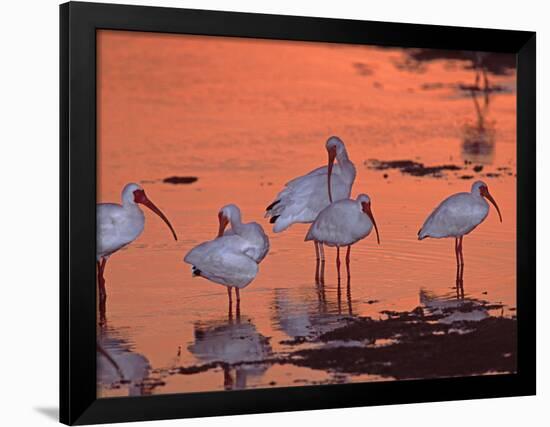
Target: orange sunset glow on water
pixel 244 117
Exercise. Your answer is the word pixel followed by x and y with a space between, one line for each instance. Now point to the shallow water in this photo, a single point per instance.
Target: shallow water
pixel 245 116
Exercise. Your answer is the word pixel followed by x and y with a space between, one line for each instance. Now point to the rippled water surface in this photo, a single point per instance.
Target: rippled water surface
pixel 244 117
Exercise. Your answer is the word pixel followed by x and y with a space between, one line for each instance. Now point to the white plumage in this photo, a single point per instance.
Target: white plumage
pixel 118 226
pixel 303 198
pixel 459 214
pixel 343 223
pixel 224 260
pixel 232 258
pixel 252 232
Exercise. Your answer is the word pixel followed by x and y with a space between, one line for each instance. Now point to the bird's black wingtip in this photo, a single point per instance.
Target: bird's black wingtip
pixel 273 219
pixel 272 205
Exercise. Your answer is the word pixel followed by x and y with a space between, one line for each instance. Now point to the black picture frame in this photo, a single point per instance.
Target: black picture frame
pixel 78 25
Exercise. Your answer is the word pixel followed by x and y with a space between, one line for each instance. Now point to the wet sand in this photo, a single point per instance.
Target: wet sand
pixel 244 117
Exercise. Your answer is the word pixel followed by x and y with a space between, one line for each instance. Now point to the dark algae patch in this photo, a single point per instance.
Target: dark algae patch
pixel 490 347
pixel 411 167
pixel 180 179
pixel 421 346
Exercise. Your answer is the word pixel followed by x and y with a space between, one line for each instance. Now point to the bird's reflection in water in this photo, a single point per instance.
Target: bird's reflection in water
pixel 232 342
pixel 303 315
pixel 478 138
pixel 480 68
pixel 320 284
pixel 348 295
pixel 118 367
pixel 449 309
pixel 321 289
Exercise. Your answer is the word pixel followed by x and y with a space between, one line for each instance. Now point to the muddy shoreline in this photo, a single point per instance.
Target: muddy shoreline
pixel 421 343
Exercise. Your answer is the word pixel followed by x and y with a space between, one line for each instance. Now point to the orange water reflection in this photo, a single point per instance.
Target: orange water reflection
pixel 245 116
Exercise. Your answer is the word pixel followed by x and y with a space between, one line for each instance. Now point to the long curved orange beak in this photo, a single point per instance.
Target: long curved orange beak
pixel 223 223
pixel 331 157
pixel 368 211
pixel 140 197
pixel 485 193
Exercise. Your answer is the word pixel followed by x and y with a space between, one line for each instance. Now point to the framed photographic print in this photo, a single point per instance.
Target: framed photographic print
pixel 273 213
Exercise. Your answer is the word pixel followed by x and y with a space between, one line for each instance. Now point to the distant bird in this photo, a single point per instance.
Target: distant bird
pixel 232 258
pixel 458 215
pixel 119 225
pixel 344 223
pixel 305 197
pixel 251 232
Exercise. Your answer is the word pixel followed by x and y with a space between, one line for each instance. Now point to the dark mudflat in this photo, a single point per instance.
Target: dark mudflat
pixel 180 179
pixel 426 351
pixel 411 167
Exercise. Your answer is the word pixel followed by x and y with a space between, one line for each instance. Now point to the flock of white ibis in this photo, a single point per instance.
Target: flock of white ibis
pixel 320 198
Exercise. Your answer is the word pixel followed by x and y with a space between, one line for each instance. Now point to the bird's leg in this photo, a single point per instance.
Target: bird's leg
pixel 101 279
pixel 461 270
pixel 102 291
pixel 457 280
pixel 349 295
pixel 338 261
pixel 238 308
pixel 456 253
pixel 100 284
pixel 316 249
pixel 230 310
pixel 348 252
pixel 317 272
pixel 339 294
pixel 460 251
pixel 317 263
pixel 322 273
pixel 322 251
pixel 322 293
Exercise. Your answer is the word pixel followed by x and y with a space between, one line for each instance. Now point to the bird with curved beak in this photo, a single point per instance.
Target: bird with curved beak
pixel 343 223
pixel 304 197
pixel 119 225
pixel 457 216
pixel 232 258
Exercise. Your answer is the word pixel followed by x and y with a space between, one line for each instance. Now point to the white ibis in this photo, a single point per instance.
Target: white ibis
pixel 232 258
pixel 344 223
pixel 458 215
pixel 119 225
pixel 251 232
pixel 305 197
